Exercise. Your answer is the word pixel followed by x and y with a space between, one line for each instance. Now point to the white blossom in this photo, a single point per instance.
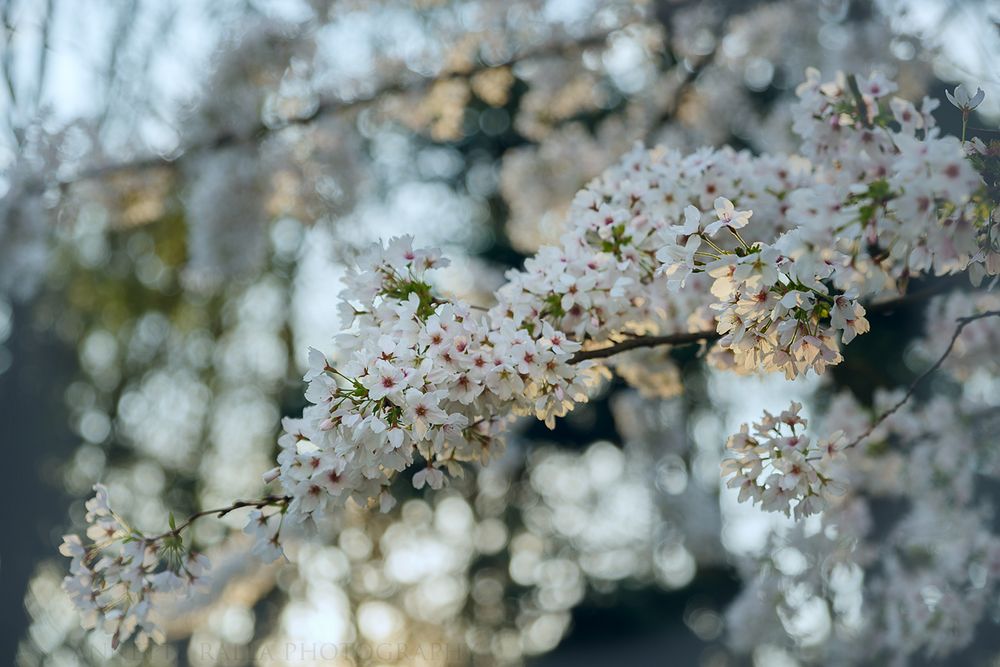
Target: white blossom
pixel 963 99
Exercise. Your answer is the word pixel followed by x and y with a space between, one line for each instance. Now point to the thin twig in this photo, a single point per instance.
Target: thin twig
pixel 962 323
pixel 43 52
pixel 259 503
pixel 859 100
pixel 7 69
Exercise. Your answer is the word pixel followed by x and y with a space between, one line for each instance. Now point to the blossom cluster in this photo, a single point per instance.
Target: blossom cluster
pixel 116 575
pixel 779 467
pixel 416 376
pixel 774 312
pixel 892 189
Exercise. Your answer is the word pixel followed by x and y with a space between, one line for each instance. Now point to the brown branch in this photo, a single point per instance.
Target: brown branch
pixel 637 342
pixel 962 323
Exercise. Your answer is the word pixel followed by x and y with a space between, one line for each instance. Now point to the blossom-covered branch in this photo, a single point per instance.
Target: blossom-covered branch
pixel 116 575
pixel 638 342
pixel 772 256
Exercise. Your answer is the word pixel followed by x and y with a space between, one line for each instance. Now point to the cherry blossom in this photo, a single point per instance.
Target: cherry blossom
pixel 963 99
pixel 115 578
pixel 779 467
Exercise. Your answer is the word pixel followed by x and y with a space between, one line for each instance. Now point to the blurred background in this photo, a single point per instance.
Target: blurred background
pixel 181 185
